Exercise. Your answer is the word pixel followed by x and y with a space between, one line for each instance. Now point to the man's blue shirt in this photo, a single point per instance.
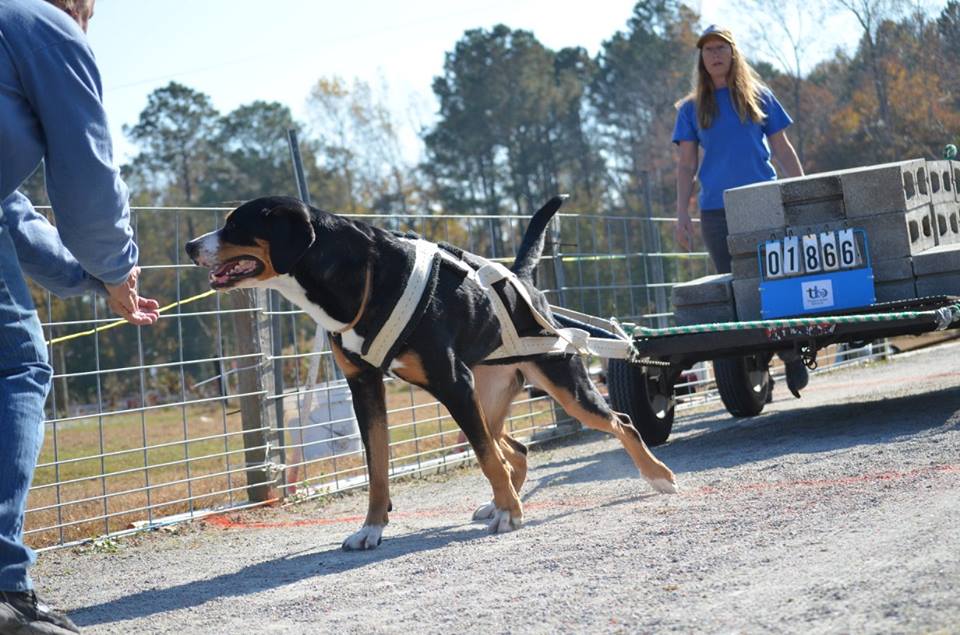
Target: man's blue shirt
pixel 735 153
pixel 51 108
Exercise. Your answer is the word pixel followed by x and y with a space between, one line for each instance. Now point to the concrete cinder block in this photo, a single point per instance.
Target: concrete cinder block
pixel 943 259
pixel 895 290
pixel 946 218
pixel 754 207
pixel 899 235
pixel 939 284
pixel 884 189
pixel 705 313
pixel 746 266
pixel 705 290
pixel 810 187
pixel 942 183
pixel 893 270
pixel 746 243
pixel 747 295
pixel 812 199
pixel 955 173
pixel 814 211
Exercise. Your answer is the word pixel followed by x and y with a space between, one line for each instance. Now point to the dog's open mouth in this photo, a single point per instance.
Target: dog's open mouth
pixel 234 270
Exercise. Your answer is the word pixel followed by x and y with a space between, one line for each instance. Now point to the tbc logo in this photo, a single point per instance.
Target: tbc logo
pixel 817 294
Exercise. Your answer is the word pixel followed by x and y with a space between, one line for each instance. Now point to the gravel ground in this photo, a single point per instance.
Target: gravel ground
pixel 835 513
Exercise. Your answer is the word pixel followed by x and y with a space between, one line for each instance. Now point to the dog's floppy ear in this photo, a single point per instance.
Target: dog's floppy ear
pixel 290 234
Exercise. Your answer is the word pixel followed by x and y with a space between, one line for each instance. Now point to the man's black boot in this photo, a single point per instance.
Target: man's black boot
pixel 797 376
pixel 23 613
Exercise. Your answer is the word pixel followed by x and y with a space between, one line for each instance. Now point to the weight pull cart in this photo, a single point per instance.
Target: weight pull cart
pixel 645 363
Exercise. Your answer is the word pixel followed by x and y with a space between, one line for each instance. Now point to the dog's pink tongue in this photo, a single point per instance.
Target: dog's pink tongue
pixel 220 274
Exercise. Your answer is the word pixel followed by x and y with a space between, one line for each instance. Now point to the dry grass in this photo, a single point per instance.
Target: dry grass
pixel 99 475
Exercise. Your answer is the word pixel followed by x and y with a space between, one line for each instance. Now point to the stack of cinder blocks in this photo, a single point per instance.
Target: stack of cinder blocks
pixel 907 209
pixel 704 300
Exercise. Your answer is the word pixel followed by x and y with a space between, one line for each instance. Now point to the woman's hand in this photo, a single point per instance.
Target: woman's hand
pixel 683 231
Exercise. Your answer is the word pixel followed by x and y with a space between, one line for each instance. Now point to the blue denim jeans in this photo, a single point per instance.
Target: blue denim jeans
pixel 25 378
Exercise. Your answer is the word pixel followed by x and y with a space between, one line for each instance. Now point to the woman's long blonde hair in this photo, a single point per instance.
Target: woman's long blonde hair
pixel 745 90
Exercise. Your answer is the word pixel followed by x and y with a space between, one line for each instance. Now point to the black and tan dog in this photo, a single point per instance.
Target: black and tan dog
pixel 349 276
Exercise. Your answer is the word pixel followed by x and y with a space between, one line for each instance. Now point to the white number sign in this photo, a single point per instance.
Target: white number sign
pixel 847 249
pixel 773 258
pixel 791 255
pixel 811 253
pixel 831 257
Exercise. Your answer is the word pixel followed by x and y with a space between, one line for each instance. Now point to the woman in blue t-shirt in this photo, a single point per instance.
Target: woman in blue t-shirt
pixel 737 121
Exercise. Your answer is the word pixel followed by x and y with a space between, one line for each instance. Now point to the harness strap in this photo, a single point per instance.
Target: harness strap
pixel 406 306
pixel 561 341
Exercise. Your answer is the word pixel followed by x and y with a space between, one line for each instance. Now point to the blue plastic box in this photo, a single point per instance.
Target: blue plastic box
pixel 818 292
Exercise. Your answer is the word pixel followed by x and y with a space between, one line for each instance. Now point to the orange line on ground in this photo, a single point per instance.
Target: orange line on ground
pixel 225 521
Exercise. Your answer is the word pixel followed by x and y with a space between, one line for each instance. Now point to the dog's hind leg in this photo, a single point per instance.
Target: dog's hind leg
pixel 566 380
pixel 496 386
pixel 458 394
pixel 370 406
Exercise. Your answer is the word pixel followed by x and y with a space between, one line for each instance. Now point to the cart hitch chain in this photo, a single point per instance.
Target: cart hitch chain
pixel 809 356
pixel 646 361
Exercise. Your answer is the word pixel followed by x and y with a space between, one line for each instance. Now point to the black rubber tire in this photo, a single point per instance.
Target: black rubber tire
pixel 744 383
pixel 646 400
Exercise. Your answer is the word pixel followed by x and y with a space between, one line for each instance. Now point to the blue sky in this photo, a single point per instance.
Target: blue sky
pixel 238 51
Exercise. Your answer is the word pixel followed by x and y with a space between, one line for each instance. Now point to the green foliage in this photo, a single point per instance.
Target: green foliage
pixel 175 133
pixel 511 131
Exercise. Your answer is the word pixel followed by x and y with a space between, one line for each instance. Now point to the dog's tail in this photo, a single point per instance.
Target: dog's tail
pixel 532 246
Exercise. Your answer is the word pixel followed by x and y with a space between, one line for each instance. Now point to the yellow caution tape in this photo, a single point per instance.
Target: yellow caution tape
pixel 73 336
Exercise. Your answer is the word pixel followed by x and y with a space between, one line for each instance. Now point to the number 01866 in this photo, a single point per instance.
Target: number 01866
pixel 812 253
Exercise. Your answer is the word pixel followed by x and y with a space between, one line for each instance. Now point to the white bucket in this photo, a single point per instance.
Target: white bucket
pixel 330 429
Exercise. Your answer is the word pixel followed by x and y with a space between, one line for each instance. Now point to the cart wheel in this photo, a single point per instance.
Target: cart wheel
pixel 645 394
pixel 744 383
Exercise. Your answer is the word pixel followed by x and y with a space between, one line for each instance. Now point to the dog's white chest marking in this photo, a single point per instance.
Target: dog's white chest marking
pixel 291 290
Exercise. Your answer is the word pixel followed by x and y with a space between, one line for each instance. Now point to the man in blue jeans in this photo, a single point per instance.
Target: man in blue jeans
pixel 51 109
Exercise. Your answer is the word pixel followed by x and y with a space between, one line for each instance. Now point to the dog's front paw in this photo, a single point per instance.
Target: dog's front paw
pixel 665 486
pixel 369 537
pixel 503 521
pixel 485 511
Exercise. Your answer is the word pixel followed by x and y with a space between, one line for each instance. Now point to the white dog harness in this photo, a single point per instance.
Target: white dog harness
pixel 555 341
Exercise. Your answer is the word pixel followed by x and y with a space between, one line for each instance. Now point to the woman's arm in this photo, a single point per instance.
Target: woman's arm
pixel 687 163
pixel 784 154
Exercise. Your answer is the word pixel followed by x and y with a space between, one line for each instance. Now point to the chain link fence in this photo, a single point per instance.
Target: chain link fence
pixel 234 400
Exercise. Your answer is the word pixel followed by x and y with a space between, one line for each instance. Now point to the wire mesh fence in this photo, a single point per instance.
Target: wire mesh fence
pixel 234 399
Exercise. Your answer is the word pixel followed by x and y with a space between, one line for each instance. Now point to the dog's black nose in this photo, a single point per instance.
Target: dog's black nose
pixel 192 249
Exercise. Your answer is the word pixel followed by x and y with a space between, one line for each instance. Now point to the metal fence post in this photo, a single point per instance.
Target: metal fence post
pixel 555 255
pixel 656 257
pixel 565 423
pixel 298 172
pixel 254 406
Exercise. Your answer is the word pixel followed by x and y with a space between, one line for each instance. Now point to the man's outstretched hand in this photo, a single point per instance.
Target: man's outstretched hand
pixel 125 301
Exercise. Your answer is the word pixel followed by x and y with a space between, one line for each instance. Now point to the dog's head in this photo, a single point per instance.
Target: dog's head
pixel 260 240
